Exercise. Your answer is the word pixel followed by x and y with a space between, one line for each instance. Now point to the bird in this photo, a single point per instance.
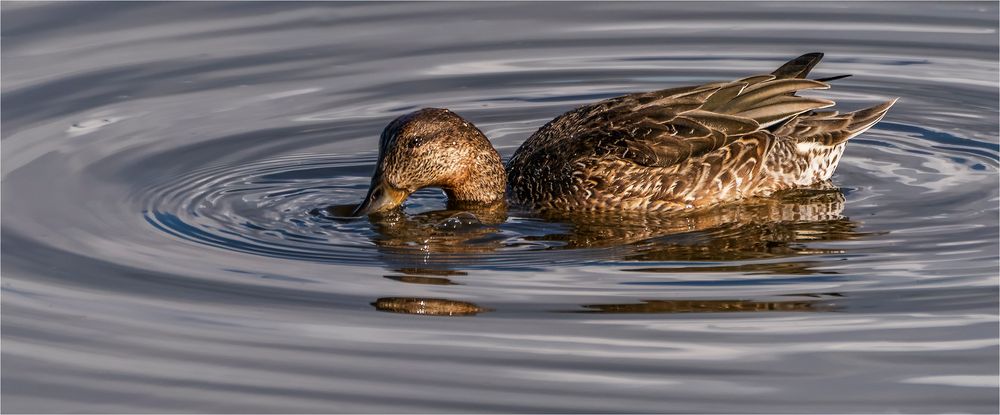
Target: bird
pixel 667 150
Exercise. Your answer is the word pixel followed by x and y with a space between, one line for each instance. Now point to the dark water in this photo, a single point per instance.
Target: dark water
pixel 160 162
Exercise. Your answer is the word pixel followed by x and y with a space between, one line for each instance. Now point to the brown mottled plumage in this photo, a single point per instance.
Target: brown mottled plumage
pixel 656 151
pixel 434 148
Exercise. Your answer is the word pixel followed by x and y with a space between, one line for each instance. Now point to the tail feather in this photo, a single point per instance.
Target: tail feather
pixel 864 119
pixel 812 144
pixel 770 99
pixel 832 78
pixel 798 67
pixel 831 128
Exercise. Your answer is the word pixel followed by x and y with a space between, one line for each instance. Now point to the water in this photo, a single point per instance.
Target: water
pixel 161 165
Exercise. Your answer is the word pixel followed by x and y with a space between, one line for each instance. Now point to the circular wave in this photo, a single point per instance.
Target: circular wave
pixel 264 208
pixel 166 166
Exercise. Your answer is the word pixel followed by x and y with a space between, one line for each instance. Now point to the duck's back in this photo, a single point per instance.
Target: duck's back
pixel 686 147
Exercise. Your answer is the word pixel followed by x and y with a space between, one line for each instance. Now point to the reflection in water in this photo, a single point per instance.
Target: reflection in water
pixel 427 306
pixel 756 228
pixel 445 307
pixel 414 279
pixel 431 271
pixel 760 228
pixel 440 231
pixel 710 306
pixel 785 268
pixel 426 276
pixel 165 261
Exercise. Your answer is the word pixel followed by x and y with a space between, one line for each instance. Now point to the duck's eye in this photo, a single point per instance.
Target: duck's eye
pixel 417 141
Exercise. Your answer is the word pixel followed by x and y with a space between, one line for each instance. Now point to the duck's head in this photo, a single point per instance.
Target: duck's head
pixel 434 148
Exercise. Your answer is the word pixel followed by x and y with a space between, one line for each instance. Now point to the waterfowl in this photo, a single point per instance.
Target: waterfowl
pixel 665 150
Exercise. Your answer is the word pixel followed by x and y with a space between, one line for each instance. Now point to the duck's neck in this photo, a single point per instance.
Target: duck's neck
pixel 483 180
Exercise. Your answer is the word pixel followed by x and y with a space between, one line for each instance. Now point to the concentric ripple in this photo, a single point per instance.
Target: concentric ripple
pixel 293 208
pixel 264 208
pixel 176 177
pixel 280 208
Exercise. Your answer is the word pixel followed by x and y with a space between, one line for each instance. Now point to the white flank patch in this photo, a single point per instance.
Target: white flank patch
pixel 803 148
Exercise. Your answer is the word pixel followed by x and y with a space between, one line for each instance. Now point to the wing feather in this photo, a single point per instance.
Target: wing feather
pixel 663 128
pixel 783 109
pixel 831 128
pixel 758 94
pixel 712 140
pixel 670 128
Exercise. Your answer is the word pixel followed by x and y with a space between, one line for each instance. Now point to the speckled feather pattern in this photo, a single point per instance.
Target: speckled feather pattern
pixel 664 150
pixel 686 147
pixel 435 147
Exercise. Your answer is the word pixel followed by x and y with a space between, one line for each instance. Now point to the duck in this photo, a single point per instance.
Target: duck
pixel 661 151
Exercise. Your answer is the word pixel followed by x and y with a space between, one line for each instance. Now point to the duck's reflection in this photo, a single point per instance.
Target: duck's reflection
pixel 451 308
pixel 711 306
pixel 429 248
pixel 778 226
pixel 416 279
pixel 783 268
pixel 427 306
pixel 758 228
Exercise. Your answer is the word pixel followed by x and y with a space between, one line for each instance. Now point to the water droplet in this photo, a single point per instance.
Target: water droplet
pixel 459 221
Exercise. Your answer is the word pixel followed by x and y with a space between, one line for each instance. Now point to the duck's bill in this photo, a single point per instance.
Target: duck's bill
pixel 380 199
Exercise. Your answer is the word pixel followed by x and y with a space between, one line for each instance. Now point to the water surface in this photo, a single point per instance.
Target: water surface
pixel 162 252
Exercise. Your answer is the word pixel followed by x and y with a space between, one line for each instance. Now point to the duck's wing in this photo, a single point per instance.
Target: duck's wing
pixel 662 128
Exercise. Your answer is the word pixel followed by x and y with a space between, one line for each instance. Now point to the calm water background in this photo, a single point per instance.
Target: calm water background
pixel 160 162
